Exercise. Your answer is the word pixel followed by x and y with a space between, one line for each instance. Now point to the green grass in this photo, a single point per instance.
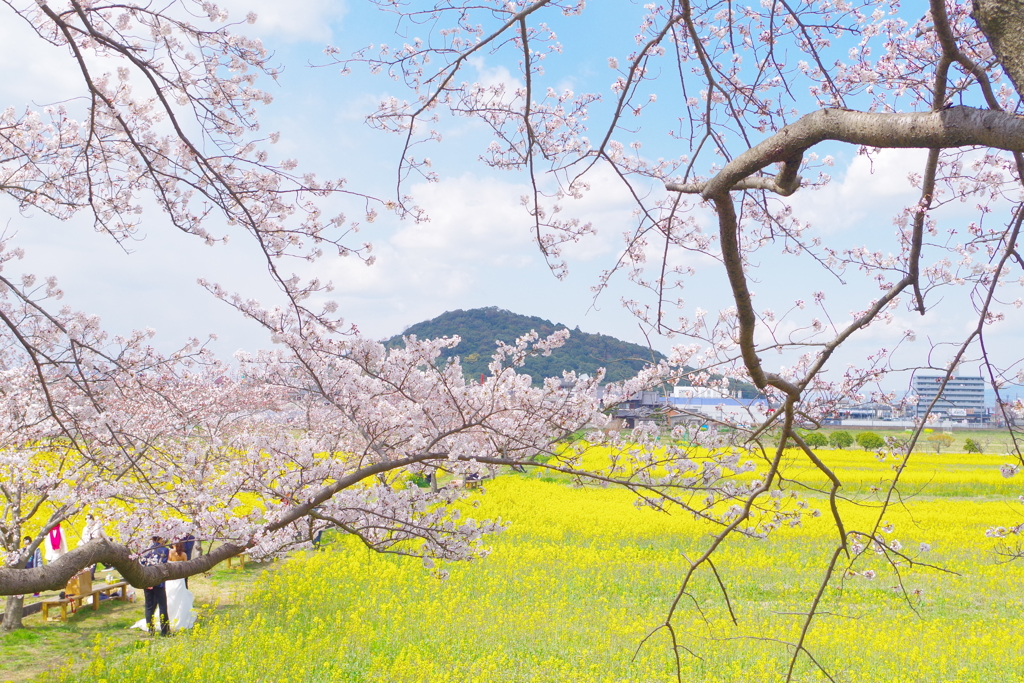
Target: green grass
pixel 39 647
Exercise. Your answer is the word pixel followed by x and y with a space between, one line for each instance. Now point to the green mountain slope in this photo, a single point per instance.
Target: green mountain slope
pixel 582 353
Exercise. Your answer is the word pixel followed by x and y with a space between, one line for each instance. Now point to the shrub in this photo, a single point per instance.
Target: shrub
pixel 870 441
pixel 420 480
pixel 940 441
pixel 972 446
pixel 815 439
pixel 840 439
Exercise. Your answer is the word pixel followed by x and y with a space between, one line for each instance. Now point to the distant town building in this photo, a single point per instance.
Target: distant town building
pixel 679 391
pixel 700 409
pixel 847 410
pixel 722 409
pixel 962 400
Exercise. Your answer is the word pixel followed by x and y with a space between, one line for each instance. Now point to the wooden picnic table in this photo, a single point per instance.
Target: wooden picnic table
pixel 475 481
pixel 76 600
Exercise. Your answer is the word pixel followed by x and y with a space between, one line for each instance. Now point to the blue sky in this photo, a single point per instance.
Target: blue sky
pixel 477 249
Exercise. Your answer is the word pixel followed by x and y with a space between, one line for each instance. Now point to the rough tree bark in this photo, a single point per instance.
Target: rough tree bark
pixel 1002 22
pixel 13 613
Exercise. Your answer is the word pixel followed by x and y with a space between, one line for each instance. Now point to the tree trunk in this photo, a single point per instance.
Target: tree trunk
pixel 12 613
pixel 1002 22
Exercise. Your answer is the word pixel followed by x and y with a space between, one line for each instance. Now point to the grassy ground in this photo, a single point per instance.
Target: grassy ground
pixel 582 576
pixel 40 647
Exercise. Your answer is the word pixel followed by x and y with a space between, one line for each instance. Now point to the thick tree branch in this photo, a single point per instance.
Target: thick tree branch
pixel 55 576
pixel 953 127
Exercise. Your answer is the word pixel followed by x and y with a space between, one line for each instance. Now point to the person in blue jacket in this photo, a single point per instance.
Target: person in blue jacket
pixel 36 559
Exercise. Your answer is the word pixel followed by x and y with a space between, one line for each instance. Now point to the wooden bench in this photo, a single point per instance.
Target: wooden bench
pixel 237 558
pixel 471 482
pixel 76 600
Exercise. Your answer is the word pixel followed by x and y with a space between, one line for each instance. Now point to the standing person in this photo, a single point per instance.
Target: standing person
pixel 189 542
pixel 93 529
pixel 179 598
pixel 179 554
pixel 156 596
pixel 56 544
pixel 35 559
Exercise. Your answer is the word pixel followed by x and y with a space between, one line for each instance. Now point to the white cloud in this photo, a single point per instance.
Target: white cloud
pixel 294 21
pixel 470 218
pixel 476 226
pixel 608 207
pixel 872 190
pixel 476 250
pixel 495 76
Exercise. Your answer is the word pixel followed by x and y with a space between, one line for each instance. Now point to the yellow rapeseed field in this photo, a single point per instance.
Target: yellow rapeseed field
pixel 582 576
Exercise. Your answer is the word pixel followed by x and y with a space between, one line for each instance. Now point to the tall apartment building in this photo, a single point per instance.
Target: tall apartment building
pixel 963 399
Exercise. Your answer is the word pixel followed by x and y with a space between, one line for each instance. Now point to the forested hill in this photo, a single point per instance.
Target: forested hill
pixel 582 353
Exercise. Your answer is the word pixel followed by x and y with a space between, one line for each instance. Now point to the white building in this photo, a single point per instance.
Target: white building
pixel 962 399
pixel 698 392
pixel 722 409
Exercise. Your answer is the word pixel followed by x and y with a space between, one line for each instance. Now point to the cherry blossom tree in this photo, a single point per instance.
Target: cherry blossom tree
pixel 321 433
pixel 166 113
pixel 64 441
pixel 324 431
pixel 100 154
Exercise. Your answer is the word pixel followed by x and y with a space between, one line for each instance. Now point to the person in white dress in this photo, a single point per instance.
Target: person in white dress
pixel 179 605
pixel 179 598
pixel 55 545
